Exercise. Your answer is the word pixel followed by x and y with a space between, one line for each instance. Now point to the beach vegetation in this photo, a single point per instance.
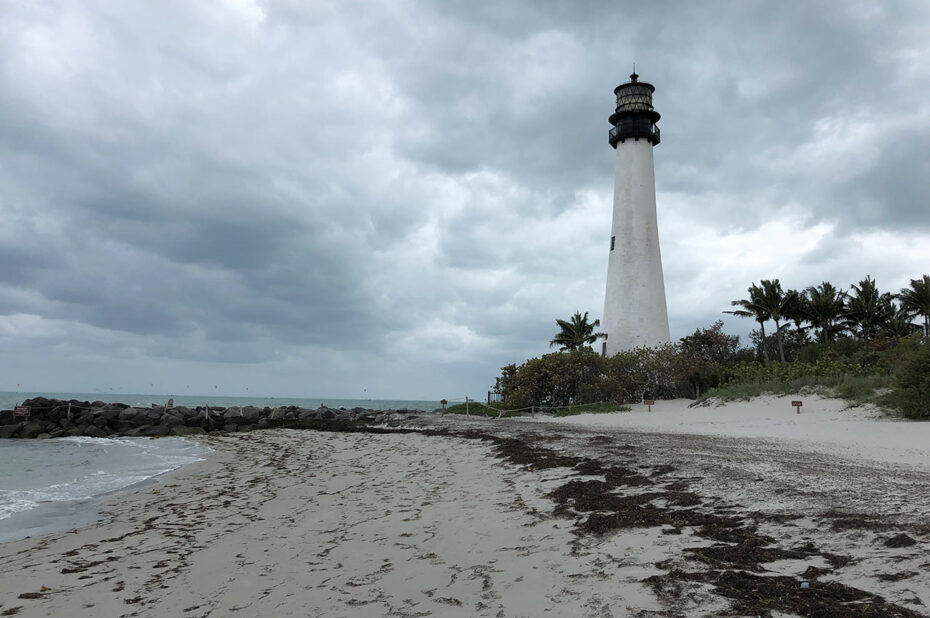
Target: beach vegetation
pixel 592 408
pixel 858 345
pixel 557 379
pixel 911 389
pixel 824 306
pixel 866 309
pixel 916 299
pixel 753 307
pixel 576 333
pixel 475 408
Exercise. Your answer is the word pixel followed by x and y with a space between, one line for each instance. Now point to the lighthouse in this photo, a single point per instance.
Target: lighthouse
pixel 634 305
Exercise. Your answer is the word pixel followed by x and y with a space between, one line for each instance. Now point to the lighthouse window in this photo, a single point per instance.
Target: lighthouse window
pixel 612 239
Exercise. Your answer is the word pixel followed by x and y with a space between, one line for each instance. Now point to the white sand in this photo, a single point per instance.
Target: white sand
pixel 824 425
pixel 300 523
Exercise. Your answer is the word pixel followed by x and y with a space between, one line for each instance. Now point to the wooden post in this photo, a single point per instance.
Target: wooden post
pixel 69 410
pixel 650 403
pixel 466 407
pixel 797 406
pixel 443 402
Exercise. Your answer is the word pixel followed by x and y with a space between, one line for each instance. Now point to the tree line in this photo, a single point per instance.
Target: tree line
pixel 863 312
pixel 861 344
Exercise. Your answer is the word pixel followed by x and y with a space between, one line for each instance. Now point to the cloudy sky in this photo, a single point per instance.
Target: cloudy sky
pixel 396 198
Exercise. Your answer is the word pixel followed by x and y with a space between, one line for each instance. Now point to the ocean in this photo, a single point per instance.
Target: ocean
pixel 51 485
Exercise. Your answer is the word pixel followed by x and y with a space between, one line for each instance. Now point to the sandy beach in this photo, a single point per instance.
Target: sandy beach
pixel 603 515
pixel 301 523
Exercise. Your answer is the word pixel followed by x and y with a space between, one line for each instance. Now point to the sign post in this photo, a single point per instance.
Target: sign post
pixel 650 403
pixel 797 406
pixel 21 411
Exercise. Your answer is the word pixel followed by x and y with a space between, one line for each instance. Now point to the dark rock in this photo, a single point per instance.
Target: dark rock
pixel 900 540
pixel 56 434
pixel 56 414
pixel 32 429
pixel 250 412
pixel 6 417
pixel 110 413
pixel 95 432
pixel 183 430
pixel 155 431
pixel 230 427
pixel 170 419
pixel 128 414
pixel 98 404
pixel 7 431
pixel 100 422
pixel 154 415
pixel 120 426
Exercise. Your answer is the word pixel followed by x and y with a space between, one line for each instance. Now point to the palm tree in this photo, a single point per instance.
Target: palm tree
pixel 752 307
pixel 898 319
pixel 796 308
pixel 917 300
pixel 866 310
pixel 576 333
pixel 774 300
pixel 825 307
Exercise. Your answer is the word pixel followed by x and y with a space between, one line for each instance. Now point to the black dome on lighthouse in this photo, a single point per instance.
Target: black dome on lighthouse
pixel 634 116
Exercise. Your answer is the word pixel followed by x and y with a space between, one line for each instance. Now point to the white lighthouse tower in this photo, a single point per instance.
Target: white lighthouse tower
pixel 634 306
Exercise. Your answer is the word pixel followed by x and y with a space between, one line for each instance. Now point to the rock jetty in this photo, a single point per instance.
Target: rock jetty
pixel 54 418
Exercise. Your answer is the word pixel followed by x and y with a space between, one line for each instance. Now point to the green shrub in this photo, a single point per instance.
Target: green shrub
pixel 911 391
pixel 475 409
pixel 558 379
pixel 592 408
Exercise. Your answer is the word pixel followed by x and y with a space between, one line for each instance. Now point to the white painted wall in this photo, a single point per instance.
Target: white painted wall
pixel 634 306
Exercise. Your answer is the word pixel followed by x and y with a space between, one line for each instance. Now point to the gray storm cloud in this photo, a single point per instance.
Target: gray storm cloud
pixel 312 196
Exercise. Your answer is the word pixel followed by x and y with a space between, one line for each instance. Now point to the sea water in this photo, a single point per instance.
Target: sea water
pixel 48 485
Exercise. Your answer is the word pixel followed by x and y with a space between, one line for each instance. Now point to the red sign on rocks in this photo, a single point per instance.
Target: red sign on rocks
pixel 21 411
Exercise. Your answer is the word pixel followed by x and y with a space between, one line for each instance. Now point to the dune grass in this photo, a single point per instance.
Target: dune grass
pixel 855 389
pixel 479 409
pixel 592 408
